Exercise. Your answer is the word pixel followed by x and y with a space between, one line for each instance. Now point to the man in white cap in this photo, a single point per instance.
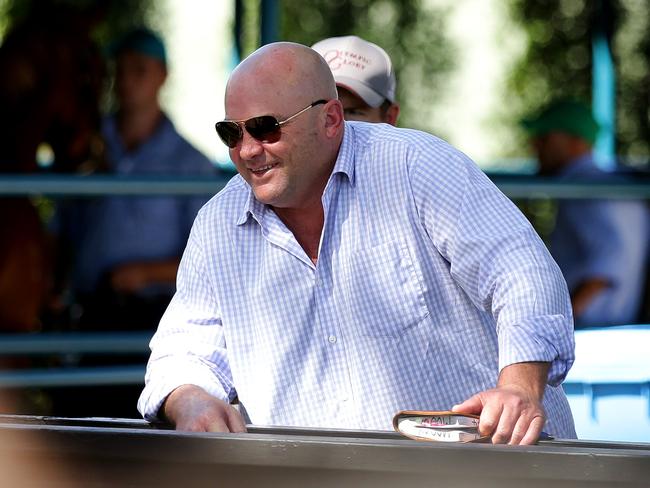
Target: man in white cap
pixel 364 77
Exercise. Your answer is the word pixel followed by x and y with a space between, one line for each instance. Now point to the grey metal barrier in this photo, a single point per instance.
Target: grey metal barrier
pixel 528 187
pixel 66 344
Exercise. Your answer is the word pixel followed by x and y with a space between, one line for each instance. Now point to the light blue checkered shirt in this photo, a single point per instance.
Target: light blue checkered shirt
pixel 428 282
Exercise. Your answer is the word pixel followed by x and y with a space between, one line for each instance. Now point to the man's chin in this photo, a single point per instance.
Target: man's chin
pixel 263 195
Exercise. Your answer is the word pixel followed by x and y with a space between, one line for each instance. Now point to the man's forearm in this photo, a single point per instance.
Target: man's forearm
pixel 530 377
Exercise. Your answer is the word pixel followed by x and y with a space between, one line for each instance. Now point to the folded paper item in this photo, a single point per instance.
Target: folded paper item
pixel 441 426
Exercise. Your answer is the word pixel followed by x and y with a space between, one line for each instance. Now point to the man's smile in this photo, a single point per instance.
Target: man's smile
pixel 263 169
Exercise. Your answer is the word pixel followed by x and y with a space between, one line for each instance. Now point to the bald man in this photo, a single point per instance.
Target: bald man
pixel 352 270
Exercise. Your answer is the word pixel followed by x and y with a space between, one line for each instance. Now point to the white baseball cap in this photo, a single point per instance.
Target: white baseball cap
pixel 361 67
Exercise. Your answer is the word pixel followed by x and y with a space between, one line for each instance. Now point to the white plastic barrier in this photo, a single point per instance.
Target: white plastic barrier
pixel 609 385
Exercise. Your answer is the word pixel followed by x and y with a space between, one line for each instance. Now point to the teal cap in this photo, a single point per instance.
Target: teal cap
pixel 142 41
pixel 566 115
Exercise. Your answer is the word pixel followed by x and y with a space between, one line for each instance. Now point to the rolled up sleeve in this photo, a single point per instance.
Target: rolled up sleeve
pixel 502 265
pixel 189 346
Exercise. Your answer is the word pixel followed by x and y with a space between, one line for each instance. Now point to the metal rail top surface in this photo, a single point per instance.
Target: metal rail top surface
pixel 117 425
pixel 129 452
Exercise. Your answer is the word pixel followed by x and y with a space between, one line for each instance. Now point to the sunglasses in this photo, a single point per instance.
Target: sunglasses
pixel 264 128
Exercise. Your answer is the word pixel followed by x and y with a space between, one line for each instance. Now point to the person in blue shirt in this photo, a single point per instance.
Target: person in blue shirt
pixel 601 245
pixel 125 250
pixel 352 270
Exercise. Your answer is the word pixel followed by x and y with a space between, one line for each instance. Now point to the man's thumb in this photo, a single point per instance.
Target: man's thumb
pixel 471 405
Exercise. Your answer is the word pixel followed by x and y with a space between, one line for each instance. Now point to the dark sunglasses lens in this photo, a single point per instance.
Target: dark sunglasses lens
pixel 229 132
pixel 264 128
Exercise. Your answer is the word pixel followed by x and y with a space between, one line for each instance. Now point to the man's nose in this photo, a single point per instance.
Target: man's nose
pixel 249 147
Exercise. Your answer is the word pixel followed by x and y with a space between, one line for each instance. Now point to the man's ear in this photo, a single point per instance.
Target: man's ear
pixel 162 75
pixel 391 114
pixel 333 118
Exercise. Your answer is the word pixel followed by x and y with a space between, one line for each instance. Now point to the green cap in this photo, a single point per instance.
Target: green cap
pixel 142 41
pixel 566 115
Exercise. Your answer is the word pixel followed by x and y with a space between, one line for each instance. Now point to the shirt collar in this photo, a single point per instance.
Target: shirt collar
pixel 252 207
pixel 344 165
pixel 345 160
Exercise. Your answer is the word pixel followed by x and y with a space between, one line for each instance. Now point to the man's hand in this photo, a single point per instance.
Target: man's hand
pixel 512 412
pixel 190 408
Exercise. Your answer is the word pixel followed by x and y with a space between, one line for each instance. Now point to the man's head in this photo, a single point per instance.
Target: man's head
pixel 364 78
pixel 561 132
pixel 287 165
pixel 141 69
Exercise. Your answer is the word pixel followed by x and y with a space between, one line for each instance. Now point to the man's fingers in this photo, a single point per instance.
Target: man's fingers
pixel 489 419
pixel 506 424
pixel 506 415
pixel 217 425
pixel 226 419
pixel 534 430
pixel 235 421
pixel 520 429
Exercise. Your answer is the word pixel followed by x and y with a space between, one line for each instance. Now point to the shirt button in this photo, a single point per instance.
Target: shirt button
pixel 332 339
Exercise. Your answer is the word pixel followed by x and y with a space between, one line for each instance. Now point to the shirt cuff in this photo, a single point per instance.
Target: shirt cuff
pixel 165 378
pixel 542 339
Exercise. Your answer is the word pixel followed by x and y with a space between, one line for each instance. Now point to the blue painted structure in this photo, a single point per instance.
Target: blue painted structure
pixel 609 385
pixel 604 102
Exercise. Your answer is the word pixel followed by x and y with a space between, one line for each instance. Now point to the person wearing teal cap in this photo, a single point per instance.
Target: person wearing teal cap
pixel 141 40
pixel 127 249
pixel 600 245
pixel 561 132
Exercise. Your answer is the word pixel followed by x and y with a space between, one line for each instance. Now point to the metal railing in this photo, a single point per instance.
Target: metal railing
pixel 538 187
pixel 77 376
pixel 527 187
pixel 65 344
pixel 74 343
pixel 98 185
pixel 64 186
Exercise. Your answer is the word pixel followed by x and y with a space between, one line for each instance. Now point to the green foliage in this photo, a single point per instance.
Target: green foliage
pixel 413 35
pixel 109 17
pixel 251 18
pixel 632 55
pixel 558 61
pixel 119 16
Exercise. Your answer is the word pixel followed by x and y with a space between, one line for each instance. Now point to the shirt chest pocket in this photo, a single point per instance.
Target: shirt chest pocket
pixel 384 291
